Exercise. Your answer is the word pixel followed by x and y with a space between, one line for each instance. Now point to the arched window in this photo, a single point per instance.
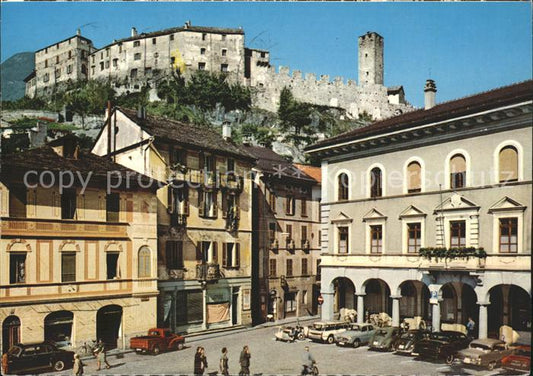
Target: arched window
pixel 508 164
pixel 343 187
pixel 144 262
pixel 414 177
pixel 457 171
pixel 376 182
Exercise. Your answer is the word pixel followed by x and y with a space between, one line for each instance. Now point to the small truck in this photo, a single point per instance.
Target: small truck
pixel 156 341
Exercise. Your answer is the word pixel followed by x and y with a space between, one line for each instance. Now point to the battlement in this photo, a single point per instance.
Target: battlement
pixel 284 74
pixel 370 36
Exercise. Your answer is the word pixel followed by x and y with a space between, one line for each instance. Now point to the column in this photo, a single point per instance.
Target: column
pixel 396 310
pixel 327 306
pixel 204 310
pixel 360 308
pixel 483 319
pixel 435 317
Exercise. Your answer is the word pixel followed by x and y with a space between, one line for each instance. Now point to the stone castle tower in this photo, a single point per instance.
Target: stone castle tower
pixel 370 59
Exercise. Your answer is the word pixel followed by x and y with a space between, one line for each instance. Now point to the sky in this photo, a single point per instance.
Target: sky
pixel 465 47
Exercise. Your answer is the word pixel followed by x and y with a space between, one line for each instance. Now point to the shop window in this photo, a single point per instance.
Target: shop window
pixel 190 308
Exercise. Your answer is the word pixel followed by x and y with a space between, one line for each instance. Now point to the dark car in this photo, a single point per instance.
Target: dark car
pixel 442 345
pixel 33 357
pixel 407 341
pixel 385 338
pixel 519 361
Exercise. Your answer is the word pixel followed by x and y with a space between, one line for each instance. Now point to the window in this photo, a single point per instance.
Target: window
pixel 343 187
pixel 178 200
pixel 201 66
pixel 70 54
pixel 207 205
pixel 68 204
pixel 154 40
pixel 289 232
pixel 202 51
pixel 204 36
pixel 133 73
pixel 414 237
pixel 174 254
pixel 290 303
pixel 289 205
pixel 224 52
pixel 272 268
pixel 457 234
pixel 57 59
pixel 107 64
pixel 112 204
pixel 58 72
pixel 148 71
pixel 46 63
pixel 376 239
pixel 223 67
pixel 318 270
pixel 102 66
pixel 137 43
pixel 414 177
pixel 508 235
pixel 115 63
pixel 508 164
pixel 69 69
pixel 343 239
pixel 17 268
pixel 231 255
pixel 376 182
pixel 46 77
pixel 223 36
pixel 137 56
pixel 272 231
pixel 272 201
pixel 145 262
pixel 304 206
pixel 304 266
pixel 68 267
pixel 190 308
pixel 289 268
pixel 18 201
pixel 107 52
pixel 457 171
pixel 208 252
pixel 304 297
pixel 263 54
pixel 171 36
pixel 112 265
pixel 304 233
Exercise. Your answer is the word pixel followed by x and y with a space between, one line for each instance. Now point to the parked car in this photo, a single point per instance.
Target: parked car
pixel 326 331
pixel 385 338
pixel 486 352
pixel 156 341
pixel 442 345
pixel 290 333
pixel 33 357
pixel 519 361
pixel 407 341
pixel 356 335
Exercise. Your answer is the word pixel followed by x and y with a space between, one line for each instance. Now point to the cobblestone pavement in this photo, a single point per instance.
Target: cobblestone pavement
pixel 273 357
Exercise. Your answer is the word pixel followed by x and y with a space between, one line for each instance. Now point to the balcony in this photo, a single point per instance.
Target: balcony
pixel 232 182
pixel 305 245
pixel 182 173
pixel 232 219
pixel 291 246
pixel 178 220
pixel 208 272
pixel 274 245
pixel 57 228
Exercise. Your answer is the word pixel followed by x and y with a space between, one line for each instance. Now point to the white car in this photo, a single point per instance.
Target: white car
pixel 325 331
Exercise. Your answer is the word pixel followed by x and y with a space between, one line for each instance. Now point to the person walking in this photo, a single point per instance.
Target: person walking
pixel 101 356
pixel 470 327
pixel 244 360
pixel 200 361
pixel 224 368
pixel 308 361
pixel 77 367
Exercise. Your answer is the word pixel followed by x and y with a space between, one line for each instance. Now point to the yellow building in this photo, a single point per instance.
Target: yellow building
pixel 204 216
pixel 77 249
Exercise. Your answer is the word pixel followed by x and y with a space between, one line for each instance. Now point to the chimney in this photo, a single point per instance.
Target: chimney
pixel 429 94
pixel 78 32
pixel 141 113
pixel 226 130
pixel 187 24
pixel 133 32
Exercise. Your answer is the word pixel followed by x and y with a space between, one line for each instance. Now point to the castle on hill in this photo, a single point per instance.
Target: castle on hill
pixel 142 59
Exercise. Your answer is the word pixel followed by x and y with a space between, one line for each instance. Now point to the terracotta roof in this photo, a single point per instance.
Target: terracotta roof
pixel 314 172
pixel 460 107
pixel 178 132
pixel 271 163
pixel 88 165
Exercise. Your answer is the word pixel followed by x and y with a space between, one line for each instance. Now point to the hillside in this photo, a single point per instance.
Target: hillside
pixel 13 71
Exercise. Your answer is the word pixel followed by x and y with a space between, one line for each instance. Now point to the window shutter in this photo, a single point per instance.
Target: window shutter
pixel 171 155
pixel 237 255
pixel 199 251
pixel 170 200
pixel 215 204
pixel 225 205
pixel 224 255
pixel 215 252
pixel 186 201
pixel 201 208
pixel 201 161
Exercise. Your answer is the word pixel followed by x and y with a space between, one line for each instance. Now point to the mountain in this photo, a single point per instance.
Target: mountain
pixel 13 71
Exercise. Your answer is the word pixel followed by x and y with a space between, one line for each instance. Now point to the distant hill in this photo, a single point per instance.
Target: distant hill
pixel 13 71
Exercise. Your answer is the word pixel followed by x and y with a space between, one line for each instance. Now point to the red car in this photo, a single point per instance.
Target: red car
pixel 156 341
pixel 519 361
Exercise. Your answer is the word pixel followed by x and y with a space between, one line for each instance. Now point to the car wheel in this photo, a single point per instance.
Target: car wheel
pixel 156 350
pixel 356 343
pixel 301 336
pixel 449 359
pixel 59 365
pixel 491 366
pixel 330 340
pixel 180 346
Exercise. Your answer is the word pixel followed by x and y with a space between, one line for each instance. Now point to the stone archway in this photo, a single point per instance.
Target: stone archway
pixel 414 299
pixel 509 305
pixel 10 332
pixel 377 296
pixel 344 294
pixel 58 328
pixel 109 325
